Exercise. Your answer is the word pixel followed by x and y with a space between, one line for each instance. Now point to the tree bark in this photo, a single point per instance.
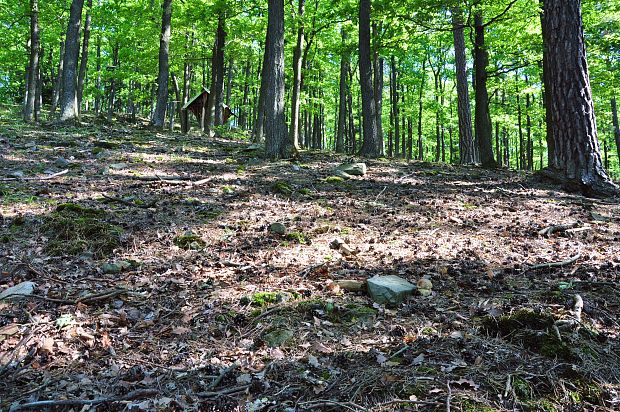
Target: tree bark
pixel 112 96
pixel 159 116
pixel 420 112
pixel 342 111
pixel 484 127
pixel 58 82
pixel 98 82
pixel 369 105
pixel 68 98
pixel 277 144
pixel 614 113
pixel 572 123
pixel 297 66
pixel 84 57
pixel 464 109
pixel 218 71
pixel 33 67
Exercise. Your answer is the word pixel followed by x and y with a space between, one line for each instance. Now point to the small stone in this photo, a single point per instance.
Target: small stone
pixel 17 174
pixel 61 162
pixel 336 243
pixel 17 291
pixel 119 166
pixel 390 290
pixel 351 285
pixel 111 268
pixel 277 228
pixel 355 169
pixel 424 283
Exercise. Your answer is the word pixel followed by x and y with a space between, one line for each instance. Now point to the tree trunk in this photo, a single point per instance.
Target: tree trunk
pixel 464 110
pixel 614 113
pixel 243 113
pixel 297 65
pixel 277 145
pixel 98 83
pixel 33 68
pixel 218 71
pixel 229 81
pixel 112 96
pixel 84 57
pixel 68 98
pixel 378 64
pixel 159 116
pixel 58 82
pixel 484 127
pixel 396 111
pixel 420 111
pixel 572 122
pixel 342 111
pixel 369 105
pixel 259 124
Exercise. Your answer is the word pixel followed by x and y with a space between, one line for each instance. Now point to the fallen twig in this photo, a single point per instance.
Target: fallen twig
pixel 137 394
pixel 228 391
pixel 320 403
pixel 554 264
pixel 224 372
pixel 52 176
pixel 107 294
pixel 549 230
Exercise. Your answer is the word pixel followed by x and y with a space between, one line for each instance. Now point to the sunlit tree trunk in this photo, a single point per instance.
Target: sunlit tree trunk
pixel 159 116
pixel 33 67
pixel 84 57
pixel 68 97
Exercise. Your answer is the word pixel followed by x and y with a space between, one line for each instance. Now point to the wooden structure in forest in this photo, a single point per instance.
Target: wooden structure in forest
pixel 196 105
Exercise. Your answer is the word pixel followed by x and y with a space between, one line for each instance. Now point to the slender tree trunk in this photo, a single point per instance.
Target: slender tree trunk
pixel 98 82
pixel 484 128
pixel 528 129
pixel 572 123
pixel 420 112
pixel 297 66
pixel 159 116
pixel 378 84
pixel 521 145
pixel 614 113
pixel 464 110
pixel 113 84
pixel 277 144
pixel 84 57
pixel 33 68
pixel 229 81
pixel 218 72
pixel 38 95
pixel 396 109
pixel 369 105
pixel 58 82
pixel 68 98
pixel 259 125
pixel 342 112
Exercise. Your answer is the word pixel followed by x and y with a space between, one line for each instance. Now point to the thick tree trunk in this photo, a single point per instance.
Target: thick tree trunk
pixel 297 65
pixel 614 113
pixel 484 127
pixel 68 97
pixel 464 110
pixel 33 67
pixel 84 57
pixel 277 144
pixel 572 122
pixel 159 116
pixel 369 105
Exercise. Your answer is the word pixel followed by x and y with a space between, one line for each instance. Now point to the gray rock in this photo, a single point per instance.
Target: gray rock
pixel 119 166
pixel 18 291
pixel 61 162
pixel 117 267
pixel 278 337
pixel 390 290
pixel 277 228
pixel 17 174
pixel 354 169
pixel 342 174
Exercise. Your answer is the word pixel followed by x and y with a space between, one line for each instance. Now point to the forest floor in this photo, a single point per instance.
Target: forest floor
pixel 158 286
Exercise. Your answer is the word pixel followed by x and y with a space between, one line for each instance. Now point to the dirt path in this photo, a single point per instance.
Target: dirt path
pixel 160 287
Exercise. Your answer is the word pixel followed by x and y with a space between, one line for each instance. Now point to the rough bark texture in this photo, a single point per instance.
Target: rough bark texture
pixel 484 127
pixel 297 61
pixel 276 140
pixel 464 109
pixel 572 124
pixel 369 108
pixel 84 56
pixel 159 116
pixel 33 67
pixel 68 97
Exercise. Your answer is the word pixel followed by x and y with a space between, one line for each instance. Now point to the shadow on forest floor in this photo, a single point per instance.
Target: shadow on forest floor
pixel 159 286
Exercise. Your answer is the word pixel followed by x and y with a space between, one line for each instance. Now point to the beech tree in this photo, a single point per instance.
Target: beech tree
pixel 68 97
pixel 159 116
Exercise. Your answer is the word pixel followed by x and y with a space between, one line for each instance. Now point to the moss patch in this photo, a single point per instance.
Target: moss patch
pixel 189 241
pixel 75 229
pixel 282 188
